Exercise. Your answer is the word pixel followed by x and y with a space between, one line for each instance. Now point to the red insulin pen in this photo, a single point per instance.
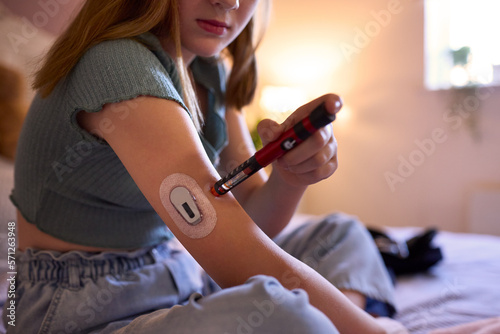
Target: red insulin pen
pixel 318 118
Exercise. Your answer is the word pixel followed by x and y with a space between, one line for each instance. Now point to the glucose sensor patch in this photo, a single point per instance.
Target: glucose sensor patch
pixel 187 205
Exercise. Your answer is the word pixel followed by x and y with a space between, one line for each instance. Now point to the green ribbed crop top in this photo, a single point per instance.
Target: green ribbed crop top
pixel 72 185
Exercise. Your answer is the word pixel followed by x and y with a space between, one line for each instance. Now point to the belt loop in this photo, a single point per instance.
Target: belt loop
pixel 73 275
pixel 33 270
pixel 155 255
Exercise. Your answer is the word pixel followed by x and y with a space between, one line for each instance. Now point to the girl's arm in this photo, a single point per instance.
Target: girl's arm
pixel 271 202
pixel 156 139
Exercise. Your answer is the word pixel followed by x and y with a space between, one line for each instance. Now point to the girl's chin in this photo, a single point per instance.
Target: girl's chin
pixel 209 54
pixel 207 51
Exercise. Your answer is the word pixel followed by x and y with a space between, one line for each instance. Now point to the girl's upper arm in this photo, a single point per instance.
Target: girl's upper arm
pixel 156 139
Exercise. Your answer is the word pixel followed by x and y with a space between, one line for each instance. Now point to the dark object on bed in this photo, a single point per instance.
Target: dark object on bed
pixel 415 255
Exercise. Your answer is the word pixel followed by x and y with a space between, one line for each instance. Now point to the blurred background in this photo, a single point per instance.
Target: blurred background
pixel 417 146
pixel 418 135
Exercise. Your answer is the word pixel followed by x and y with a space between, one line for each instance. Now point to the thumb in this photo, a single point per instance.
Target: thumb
pixel 269 130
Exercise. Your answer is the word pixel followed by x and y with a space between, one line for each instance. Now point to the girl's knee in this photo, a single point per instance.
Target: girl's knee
pixel 274 309
pixel 261 305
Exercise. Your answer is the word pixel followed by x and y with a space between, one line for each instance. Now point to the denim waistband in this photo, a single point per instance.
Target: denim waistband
pixel 70 267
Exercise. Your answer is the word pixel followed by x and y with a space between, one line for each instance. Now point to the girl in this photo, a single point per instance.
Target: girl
pixel 134 103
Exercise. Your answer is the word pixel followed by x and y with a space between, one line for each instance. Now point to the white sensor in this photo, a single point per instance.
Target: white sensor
pixel 185 204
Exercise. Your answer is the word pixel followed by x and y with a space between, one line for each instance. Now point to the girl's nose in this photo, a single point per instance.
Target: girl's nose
pixel 226 4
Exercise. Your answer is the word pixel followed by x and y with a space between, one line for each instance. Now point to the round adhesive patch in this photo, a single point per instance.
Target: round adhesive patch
pixel 187 205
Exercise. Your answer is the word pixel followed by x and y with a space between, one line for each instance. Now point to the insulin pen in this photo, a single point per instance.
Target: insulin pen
pixel 318 118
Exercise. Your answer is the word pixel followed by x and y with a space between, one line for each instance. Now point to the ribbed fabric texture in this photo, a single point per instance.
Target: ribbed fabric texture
pixel 73 186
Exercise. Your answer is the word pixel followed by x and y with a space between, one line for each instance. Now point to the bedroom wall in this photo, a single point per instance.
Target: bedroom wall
pixel 49 15
pixel 404 159
pixel 27 30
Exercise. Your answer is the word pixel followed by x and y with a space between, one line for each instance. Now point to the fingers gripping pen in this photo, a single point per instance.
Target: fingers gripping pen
pixel 318 118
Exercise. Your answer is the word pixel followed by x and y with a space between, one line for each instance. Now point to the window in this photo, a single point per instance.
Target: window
pixel 462 40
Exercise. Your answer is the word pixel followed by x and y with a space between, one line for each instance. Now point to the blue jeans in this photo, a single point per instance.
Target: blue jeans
pixel 159 289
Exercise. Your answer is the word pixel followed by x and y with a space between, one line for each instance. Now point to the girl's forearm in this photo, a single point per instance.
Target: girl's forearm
pixel 272 205
pixel 348 318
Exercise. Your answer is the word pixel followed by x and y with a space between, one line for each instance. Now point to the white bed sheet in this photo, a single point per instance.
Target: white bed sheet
pixel 464 287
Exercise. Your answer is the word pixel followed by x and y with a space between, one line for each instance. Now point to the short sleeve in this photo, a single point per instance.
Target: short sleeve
pixel 119 70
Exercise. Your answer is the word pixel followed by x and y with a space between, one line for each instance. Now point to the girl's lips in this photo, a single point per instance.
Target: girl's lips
pixel 214 27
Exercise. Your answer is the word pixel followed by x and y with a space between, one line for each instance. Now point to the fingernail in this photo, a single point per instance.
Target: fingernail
pixel 338 105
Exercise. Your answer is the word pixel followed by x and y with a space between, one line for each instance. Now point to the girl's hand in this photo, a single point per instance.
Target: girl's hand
pixel 391 326
pixel 313 160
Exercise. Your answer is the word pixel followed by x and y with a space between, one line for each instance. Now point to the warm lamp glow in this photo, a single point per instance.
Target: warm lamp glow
pixel 307 64
pixel 344 115
pixel 279 102
pixel 310 65
pixel 281 99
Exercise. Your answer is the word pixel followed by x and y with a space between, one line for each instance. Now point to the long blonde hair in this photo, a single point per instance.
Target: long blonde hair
pixel 99 21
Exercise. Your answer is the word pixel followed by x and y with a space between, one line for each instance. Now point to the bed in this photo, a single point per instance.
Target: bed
pixel 462 288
